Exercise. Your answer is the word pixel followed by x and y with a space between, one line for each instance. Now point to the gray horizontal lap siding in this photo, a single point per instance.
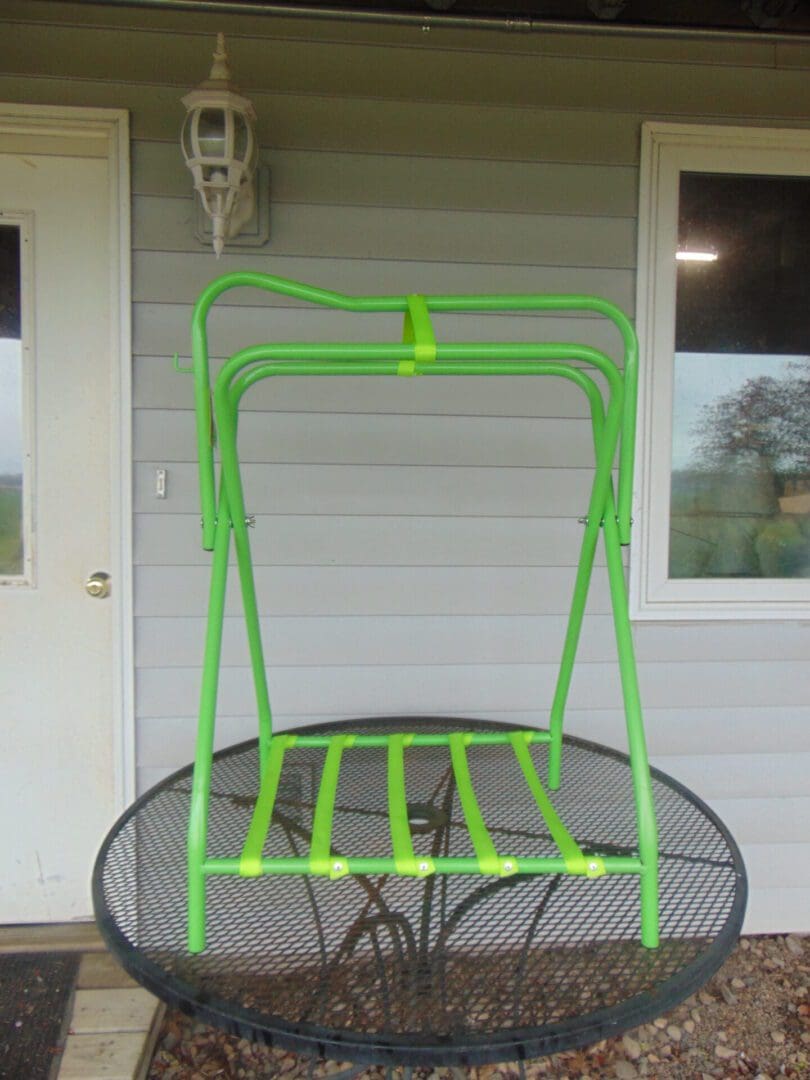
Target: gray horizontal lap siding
pixel 416 539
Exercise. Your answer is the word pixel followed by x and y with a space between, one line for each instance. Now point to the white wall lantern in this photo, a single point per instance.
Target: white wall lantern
pixel 220 148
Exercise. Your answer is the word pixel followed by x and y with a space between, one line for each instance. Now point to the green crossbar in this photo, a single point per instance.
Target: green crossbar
pixel 472 738
pixel 611 403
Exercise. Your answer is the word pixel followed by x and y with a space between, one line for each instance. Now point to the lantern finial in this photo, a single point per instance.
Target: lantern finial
pixel 220 72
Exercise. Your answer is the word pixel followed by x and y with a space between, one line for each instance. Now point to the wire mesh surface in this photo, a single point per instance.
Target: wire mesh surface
pixel 443 970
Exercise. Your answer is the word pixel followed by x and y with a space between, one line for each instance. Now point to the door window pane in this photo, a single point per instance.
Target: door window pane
pixel 740 490
pixel 12 554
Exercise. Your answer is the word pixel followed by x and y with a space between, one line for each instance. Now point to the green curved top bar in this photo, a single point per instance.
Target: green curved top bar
pixel 327 298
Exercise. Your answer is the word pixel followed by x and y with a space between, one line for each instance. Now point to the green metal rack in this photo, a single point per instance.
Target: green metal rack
pixel 612 412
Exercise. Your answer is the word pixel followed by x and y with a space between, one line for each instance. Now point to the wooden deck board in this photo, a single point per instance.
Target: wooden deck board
pixel 51 937
pixel 108 1011
pixel 114 1025
pixel 115 1056
pixel 101 971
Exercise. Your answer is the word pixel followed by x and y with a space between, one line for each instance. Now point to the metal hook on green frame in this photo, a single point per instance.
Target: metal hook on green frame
pixel 180 368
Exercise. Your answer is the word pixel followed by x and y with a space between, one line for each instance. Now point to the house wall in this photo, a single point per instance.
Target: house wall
pixel 416 539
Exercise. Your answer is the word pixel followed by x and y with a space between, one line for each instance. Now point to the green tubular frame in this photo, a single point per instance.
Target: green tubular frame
pixel 223 516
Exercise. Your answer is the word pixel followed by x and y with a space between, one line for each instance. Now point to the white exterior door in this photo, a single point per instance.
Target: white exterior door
pixel 63 652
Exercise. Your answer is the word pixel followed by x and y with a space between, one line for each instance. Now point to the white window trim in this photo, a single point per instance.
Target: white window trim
pixel 666 150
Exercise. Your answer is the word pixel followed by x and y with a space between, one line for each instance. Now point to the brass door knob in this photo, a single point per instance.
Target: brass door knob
pixel 98 585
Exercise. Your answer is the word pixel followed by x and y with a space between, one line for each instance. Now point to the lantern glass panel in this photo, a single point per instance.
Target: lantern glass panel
pixel 241 137
pixel 185 139
pixel 211 131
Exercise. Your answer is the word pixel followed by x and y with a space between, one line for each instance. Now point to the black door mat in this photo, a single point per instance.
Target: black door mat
pixel 35 990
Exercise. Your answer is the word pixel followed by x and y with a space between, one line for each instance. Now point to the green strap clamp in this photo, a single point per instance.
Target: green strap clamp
pixel 417 330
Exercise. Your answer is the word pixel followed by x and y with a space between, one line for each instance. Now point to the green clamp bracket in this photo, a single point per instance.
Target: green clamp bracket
pixel 594 866
pixel 420 867
pixel 338 868
pixel 509 866
pixel 417 330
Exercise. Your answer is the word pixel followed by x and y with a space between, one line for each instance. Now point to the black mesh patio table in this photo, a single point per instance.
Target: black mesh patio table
pixel 441 970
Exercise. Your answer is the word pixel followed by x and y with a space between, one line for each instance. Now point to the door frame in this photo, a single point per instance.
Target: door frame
pixel 105 132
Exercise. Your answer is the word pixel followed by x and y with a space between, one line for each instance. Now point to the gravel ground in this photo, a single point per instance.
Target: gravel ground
pixel 752 1019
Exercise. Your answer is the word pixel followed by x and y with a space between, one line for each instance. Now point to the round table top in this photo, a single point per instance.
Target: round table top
pixel 454 970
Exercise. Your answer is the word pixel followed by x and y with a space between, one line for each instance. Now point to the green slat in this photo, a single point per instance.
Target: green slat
pixel 320 849
pixel 489 861
pixel 250 862
pixel 404 857
pixel 575 861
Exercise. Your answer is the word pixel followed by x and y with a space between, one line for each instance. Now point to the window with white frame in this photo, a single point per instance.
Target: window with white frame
pixel 723 314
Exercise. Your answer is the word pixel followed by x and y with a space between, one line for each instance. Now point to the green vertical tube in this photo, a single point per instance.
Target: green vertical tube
pixel 201 782
pixel 639 763
pixel 573 630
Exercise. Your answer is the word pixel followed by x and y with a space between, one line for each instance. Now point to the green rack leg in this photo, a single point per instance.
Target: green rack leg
pixel 201 782
pixel 232 482
pixel 639 763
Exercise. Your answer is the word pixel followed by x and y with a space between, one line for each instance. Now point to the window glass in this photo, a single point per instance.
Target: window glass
pixel 12 554
pixel 740 485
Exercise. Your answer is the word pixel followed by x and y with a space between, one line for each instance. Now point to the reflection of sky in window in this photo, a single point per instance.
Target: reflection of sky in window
pixel 10 406
pixel 700 379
